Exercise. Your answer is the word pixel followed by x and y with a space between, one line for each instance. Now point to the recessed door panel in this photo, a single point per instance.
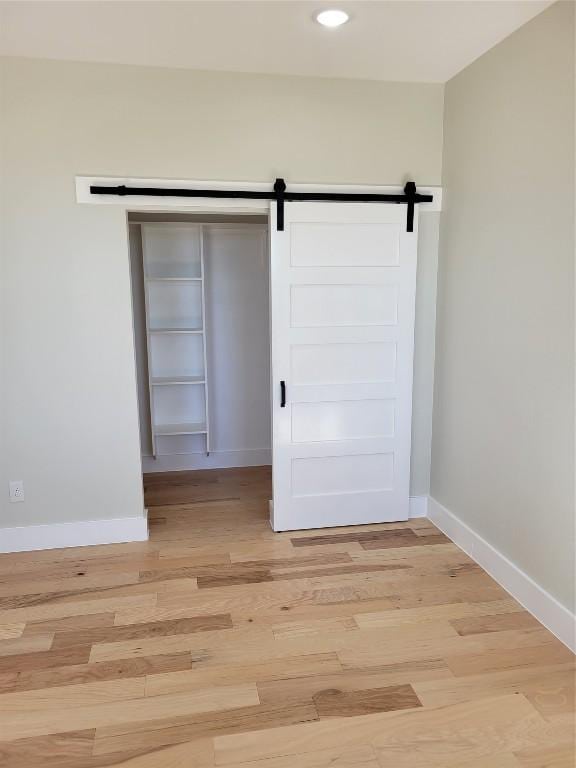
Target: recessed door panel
pixel 343 363
pixel 349 245
pixel 344 420
pixel 335 305
pixel 357 473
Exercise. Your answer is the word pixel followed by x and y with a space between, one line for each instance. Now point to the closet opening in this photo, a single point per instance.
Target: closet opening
pixel 201 309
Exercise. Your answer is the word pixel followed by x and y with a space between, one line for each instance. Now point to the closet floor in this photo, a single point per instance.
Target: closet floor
pixel 220 643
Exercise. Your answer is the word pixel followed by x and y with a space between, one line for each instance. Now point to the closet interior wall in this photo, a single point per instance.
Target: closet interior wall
pixel 236 290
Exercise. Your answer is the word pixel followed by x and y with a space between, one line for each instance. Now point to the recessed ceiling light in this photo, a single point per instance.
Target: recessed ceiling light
pixel 332 18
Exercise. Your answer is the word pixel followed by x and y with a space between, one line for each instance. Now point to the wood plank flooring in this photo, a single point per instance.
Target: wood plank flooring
pixel 220 643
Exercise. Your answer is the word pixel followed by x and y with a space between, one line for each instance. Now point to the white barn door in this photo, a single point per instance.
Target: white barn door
pixel 343 280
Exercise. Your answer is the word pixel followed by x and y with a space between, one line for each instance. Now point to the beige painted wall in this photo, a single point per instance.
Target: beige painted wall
pixel 69 415
pixel 503 428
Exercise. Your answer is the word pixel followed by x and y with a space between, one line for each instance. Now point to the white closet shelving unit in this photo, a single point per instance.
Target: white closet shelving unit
pixel 173 257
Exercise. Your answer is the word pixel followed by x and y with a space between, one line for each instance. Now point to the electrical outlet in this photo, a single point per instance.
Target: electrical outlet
pixel 16 490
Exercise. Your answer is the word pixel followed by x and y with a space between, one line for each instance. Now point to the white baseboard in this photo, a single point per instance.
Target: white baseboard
pixel 555 617
pixel 79 534
pixel 216 460
pixel 418 507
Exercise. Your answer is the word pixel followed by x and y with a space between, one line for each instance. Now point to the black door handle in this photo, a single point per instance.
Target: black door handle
pixel 282 394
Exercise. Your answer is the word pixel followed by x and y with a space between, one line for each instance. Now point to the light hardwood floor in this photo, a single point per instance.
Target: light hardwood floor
pixel 220 643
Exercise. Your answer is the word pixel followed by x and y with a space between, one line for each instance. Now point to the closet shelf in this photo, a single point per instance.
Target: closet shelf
pixel 158 381
pixel 173 279
pixel 162 430
pixel 176 330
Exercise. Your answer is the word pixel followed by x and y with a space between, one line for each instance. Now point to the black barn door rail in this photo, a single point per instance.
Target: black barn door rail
pixel 410 197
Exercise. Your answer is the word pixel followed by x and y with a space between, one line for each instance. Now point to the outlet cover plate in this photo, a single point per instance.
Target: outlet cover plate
pixel 16 490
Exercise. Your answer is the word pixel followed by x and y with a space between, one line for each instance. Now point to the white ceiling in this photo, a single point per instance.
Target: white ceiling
pixel 408 40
